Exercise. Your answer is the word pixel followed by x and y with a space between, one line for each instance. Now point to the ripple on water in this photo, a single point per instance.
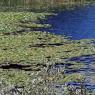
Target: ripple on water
pixel 87 59
pixel 77 24
pixel 88 70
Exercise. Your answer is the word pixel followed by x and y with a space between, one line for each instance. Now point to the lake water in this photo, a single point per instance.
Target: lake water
pixel 78 23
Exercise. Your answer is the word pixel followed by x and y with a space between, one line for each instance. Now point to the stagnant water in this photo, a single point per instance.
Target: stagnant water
pixel 78 24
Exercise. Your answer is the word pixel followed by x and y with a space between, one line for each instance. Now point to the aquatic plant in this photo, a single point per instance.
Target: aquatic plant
pixel 10 21
pixel 27 58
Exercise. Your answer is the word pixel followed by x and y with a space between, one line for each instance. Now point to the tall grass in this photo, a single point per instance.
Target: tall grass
pixel 21 5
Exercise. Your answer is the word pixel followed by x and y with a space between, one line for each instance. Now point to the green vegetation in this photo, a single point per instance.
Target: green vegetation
pixel 34 52
pixel 24 5
pixel 11 21
pixel 37 47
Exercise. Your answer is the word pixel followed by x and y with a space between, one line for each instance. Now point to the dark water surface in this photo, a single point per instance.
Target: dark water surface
pixel 78 23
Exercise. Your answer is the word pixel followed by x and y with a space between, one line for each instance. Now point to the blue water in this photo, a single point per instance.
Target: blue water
pixel 88 70
pixel 78 23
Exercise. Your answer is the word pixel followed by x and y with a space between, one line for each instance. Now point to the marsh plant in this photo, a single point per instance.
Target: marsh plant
pixel 39 83
pixel 24 5
pixel 35 62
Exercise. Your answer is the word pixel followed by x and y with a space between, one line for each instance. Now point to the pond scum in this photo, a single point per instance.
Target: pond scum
pixel 30 60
